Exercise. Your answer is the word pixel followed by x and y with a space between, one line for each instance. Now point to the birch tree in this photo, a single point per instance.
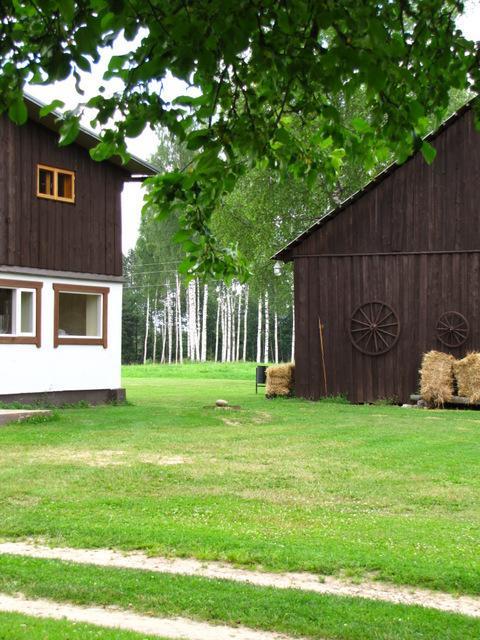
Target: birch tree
pixel 204 323
pixel 179 332
pixel 147 325
pixel 267 329
pixel 259 331
pixel 275 335
pixel 245 324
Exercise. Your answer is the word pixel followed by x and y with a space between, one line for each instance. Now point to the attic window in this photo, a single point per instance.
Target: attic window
pixel 55 184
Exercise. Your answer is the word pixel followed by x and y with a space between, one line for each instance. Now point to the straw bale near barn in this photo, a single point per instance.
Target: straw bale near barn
pixel 467 374
pixel 280 380
pixel 391 273
pixel 437 378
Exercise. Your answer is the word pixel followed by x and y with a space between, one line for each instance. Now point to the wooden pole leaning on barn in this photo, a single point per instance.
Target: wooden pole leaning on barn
pixel 322 351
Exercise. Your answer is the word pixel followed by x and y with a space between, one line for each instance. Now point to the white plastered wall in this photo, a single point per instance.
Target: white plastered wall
pixel 29 369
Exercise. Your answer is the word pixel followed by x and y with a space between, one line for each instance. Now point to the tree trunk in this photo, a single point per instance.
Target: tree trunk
pixel 217 324
pixel 155 327
pixel 169 321
pixel 204 323
pixel 245 319
pixel 259 331
pixel 239 325
pixel 147 324
pixel 275 330
pixel 267 329
pixel 179 318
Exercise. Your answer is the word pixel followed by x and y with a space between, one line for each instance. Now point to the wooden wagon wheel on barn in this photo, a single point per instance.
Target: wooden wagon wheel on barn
pixel 452 329
pixel 374 328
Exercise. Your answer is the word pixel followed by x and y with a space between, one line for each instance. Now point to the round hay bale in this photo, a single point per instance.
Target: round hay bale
pixel 436 378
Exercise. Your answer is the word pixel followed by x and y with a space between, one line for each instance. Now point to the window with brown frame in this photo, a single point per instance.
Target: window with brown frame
pixel 80 315
pixel 20 312
pixel 55 184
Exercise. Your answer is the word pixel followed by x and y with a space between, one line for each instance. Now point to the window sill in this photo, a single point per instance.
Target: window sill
pixel 20 340
pixel 63 340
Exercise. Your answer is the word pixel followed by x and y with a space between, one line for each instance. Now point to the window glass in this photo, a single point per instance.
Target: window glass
pixel 45 182
pixel 6 311
pixel 79 314
pixel 65 185
pixel 26 311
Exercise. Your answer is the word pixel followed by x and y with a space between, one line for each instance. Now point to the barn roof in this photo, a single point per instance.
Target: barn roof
pixel 87 139
pixel 284 253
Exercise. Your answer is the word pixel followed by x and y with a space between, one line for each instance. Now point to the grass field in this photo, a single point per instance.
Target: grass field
pixel 328 487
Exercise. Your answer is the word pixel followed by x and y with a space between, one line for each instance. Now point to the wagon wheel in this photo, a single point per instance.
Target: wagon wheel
pixel 452 329
pixel 374 328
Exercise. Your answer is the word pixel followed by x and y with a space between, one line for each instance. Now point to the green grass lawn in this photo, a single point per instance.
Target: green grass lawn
pixel 286 484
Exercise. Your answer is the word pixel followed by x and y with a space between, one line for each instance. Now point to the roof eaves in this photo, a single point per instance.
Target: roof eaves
pixel 87 139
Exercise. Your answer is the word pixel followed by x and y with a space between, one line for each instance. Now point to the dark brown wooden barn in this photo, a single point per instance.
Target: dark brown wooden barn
pixel 391 273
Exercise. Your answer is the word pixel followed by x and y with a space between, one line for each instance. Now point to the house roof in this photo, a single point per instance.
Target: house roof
pixel 284 253
pixel 87 139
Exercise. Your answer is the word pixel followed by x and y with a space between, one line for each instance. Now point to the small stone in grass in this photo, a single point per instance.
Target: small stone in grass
pixel 221 403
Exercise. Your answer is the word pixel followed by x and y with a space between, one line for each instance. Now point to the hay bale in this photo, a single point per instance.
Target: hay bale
pixel 436 378
pixel 280 380
pixel 467 374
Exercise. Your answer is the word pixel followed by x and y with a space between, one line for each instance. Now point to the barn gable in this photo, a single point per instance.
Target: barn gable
pixel 409 207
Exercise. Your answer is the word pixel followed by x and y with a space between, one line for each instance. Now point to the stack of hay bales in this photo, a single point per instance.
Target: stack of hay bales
pixel 467 374
pixel 280 380
pixel 437 378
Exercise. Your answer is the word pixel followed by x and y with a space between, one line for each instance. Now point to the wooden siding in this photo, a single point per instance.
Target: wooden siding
pixel 83 237
pixel 418 207
pixel 413 242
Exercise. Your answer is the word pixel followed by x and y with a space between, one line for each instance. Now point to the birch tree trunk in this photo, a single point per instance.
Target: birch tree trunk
pixel 217 323
pixel 169 322
pixel 267 329
pixel 275 335
pixel 245 319
pixel 204 323
pixel 239 325
pixel 259 331
pixel 197 319
pixel 178 304
pixel 147 324
pixel 224 328
pixel 164 337
pixel 293 332
pixel 228 310
pixel 155 327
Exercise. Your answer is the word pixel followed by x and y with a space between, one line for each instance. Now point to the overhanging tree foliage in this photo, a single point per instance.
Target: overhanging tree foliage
pixel 270 75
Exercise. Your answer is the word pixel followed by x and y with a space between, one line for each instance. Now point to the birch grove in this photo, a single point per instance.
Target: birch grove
pixel 200 321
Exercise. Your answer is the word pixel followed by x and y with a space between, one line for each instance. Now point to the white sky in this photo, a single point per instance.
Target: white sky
pixel 144 146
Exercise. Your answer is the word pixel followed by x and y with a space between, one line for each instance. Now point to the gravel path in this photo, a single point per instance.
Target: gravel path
pixel 113 618
pixel 466 605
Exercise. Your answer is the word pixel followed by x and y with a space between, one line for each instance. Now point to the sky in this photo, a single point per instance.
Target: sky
pixel 145 145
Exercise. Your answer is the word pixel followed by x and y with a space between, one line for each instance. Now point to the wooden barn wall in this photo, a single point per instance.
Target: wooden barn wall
pixel 418 207
pixel 35 232
pixel 418 287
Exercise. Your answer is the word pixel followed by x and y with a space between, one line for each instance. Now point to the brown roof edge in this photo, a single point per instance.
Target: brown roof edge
pixel 284 253
pixel 87 139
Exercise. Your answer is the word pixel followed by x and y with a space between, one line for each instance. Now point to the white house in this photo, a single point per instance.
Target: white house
pixel 60 265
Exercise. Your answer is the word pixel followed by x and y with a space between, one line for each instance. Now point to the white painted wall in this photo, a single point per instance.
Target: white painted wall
pixel 28 369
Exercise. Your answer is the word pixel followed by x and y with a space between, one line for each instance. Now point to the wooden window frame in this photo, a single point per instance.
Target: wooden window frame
pixel 56 171
pixel 78 288
pixel 36 339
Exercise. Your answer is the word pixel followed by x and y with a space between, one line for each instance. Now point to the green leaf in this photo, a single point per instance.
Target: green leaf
pixel 67 9
pixel 69 131
pixel 17 111
pixel 48 108
pixel 428 152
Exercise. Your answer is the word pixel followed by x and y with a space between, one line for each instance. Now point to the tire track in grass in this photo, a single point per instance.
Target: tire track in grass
pixel 114 618
pixel 464 605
